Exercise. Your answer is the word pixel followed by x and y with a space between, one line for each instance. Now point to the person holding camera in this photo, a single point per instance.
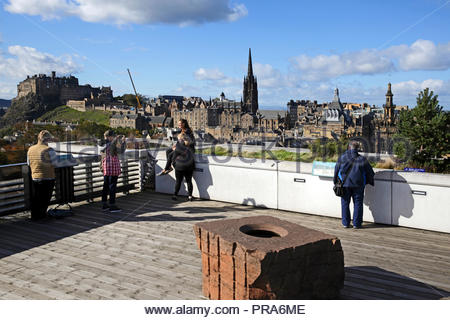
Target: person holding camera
pixel 110 165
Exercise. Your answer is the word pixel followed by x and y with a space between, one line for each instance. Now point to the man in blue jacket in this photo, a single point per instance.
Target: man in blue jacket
pixel 356 172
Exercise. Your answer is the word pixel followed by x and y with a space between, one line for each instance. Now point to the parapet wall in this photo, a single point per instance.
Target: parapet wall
pixel 409 199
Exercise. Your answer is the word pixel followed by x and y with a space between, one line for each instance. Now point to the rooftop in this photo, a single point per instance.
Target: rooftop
pixel 149 252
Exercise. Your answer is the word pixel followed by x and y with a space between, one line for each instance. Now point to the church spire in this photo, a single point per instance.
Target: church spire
pixel 250 89
pixel 336 96
pixel 250 67
pixel 389 106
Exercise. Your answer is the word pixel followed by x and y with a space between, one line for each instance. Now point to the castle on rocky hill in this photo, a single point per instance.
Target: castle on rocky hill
pixel 59 90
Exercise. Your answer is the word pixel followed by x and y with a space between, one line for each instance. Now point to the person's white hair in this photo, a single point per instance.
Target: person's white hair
pixel 44 136
pixel 354 145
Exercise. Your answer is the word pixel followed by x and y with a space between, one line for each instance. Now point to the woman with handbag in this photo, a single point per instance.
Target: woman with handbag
pixel 351 174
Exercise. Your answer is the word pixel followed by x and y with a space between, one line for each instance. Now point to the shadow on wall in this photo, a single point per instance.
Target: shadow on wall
pixel 203 180
pixel 402 199
pixel 383 199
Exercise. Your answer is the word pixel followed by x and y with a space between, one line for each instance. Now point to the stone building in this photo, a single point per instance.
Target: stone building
pixel 159 122
pixel 270 120
pixel 58 90
pixel 129 120
pixel 248 121
pixel 195 111
pixel 301 112
pixel 158 107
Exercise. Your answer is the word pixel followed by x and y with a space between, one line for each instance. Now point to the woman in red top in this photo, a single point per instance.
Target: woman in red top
pixel 111 169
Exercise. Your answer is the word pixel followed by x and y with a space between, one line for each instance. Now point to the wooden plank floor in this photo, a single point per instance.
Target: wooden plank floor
pixel 149 252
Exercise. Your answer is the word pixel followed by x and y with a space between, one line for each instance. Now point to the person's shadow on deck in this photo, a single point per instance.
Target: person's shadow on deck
pixel 370 283
pixel 18 234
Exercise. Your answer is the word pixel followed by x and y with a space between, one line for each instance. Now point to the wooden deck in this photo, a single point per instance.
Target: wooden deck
pixel 149 252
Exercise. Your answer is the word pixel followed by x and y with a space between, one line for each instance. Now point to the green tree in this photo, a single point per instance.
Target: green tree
pixel 88 129
pixel 427 128
pixel 130 99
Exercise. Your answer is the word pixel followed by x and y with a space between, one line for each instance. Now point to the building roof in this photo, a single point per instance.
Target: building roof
pixel 122 116
pixel 157 119
pixel 272 114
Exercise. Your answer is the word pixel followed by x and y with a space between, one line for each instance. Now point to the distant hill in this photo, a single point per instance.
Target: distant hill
pixel 66 114
pixel 29 107
pixel 5 103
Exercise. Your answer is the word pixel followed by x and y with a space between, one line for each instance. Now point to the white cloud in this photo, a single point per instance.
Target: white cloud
pixel 412 88
pixel 421 55
pixel 209 74
pixel 324 67
pixel 216 78
pixel 268 76
pixel 180 12
pixel 22 61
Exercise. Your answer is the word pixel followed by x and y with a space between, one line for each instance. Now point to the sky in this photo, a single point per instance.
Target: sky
pixel 301 49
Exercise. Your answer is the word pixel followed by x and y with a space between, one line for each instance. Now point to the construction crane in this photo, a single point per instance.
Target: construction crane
pixel 137 98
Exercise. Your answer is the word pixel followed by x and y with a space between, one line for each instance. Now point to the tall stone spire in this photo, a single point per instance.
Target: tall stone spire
pixel 250 67
pixel 250 89
pixel 389 107
pixel 336 95
pixel 389 95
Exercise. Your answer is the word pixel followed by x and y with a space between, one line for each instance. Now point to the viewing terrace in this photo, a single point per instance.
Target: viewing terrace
pixel 149 250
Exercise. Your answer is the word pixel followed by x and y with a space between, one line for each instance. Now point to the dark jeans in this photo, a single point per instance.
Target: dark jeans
pixel 357 194
pixel 109 187
pixel 41 194
pixel 171 155
pixel 186 175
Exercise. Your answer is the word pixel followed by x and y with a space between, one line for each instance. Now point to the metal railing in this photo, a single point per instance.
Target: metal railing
pixel 86 177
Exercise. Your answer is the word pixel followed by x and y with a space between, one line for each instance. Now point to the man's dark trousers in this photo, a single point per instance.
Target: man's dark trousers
pixel 357 194
pixel 40 198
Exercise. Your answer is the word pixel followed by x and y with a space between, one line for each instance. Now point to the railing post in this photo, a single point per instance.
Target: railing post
pixel 141 174
pixel 27 187
pixel 125 174
pixel 89 181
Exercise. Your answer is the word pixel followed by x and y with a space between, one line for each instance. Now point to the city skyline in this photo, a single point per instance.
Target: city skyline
pixel 299 50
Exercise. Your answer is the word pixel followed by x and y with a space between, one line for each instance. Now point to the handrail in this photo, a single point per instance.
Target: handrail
pixel 15 192
pixel 12 165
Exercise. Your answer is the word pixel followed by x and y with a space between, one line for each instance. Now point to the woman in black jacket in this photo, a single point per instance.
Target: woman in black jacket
pixel 182 159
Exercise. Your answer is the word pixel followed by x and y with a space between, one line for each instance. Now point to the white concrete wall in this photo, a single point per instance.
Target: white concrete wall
pixel 417 200
pixel 421 200
pixel 227 179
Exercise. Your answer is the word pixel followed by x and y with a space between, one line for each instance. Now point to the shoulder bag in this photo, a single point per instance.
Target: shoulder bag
pixel 338 188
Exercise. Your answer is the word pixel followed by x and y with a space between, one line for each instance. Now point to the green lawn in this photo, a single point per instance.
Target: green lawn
pixel 64 113
pixel 281 155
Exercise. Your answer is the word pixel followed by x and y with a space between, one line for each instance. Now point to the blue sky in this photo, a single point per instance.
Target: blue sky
pixel 300 49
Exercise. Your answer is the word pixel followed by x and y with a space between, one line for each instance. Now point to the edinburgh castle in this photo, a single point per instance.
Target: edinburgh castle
pixel 59 90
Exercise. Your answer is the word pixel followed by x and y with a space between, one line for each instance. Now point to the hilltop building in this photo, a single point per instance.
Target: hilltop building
pixel 59 90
